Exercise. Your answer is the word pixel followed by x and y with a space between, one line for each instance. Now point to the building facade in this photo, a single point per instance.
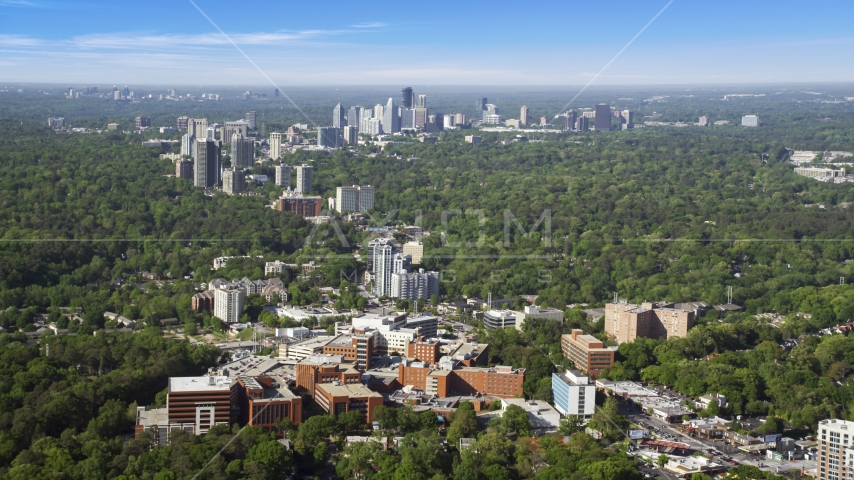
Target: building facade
pixel 283 176
pixel 603 118
pixel 500 319
pixel 305 174
pixel 184 169
pixel 391 121
pixel 414 286
pixel 337 398
pixel 329 137
pixel 587 352
pixel 626 321
pixel 242 151
pixel 206 164
pixel 450 380
pixel 354 198
pixel 835 449
pixel 199 401
pixel 304 206
pixel 338 119
pixel 574 394
pixel 276 142
pixel 750 121
pixel 228 304
pixel 233 181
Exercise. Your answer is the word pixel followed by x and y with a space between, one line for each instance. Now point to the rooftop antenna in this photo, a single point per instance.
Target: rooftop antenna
pixel 616 299
pixel 488 301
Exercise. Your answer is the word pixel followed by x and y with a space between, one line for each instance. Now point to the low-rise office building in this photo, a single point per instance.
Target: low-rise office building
pixel 325 369
pixel 261 401
pixel 199 401
pixel 449 379
pixel 337 398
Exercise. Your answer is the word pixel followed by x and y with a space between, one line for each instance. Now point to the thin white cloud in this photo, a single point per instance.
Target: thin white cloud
pixel 369 25
pixel 132 40
pixel 136 41
pixel 20 40
pixel 24 3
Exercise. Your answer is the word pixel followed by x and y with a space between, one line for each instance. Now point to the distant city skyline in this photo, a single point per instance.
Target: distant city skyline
pixel 172 43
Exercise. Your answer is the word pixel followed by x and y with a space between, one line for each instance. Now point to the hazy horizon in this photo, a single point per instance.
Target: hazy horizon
pixel 500 44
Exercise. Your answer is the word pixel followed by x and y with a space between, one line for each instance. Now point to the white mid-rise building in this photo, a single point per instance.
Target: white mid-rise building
pixel 750 121
pixel 574 394
pixel 354 198
pixel 412 286
pixel 228 304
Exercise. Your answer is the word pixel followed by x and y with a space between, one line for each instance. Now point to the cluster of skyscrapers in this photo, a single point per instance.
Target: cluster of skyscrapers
pixel 389 118
pixel 201 150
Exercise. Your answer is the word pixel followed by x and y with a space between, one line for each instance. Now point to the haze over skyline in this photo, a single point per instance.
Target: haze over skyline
pixel 443 43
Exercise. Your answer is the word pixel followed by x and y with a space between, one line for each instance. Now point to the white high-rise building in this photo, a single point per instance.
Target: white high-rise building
pixel 276 141
pixel 391 121
pixel 354 198
pixel 304 178
pixel 378 111
pixel 228 304
pixel 242 151
pixel 835 449
pixel 283 175
pixel 750 121
pixel 387 261
pixel 338 120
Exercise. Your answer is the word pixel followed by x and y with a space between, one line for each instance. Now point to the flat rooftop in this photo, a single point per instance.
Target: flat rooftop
pixel 279 390
pixel 199 384
pixel 155 416
pixel 347 390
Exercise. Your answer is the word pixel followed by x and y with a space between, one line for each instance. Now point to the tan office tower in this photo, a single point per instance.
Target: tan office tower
pixel 523 115
pixel 198 127
pixel 304 177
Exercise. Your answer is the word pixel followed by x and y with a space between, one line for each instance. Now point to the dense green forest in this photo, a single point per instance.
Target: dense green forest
pixel 65 402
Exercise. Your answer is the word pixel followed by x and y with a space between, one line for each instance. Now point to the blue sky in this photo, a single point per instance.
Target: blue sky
pixel 439 42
